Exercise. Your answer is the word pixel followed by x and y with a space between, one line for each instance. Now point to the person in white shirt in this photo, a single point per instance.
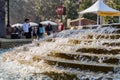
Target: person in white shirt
pixel 26 27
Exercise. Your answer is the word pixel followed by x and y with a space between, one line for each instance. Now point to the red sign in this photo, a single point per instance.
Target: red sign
pixel 60 10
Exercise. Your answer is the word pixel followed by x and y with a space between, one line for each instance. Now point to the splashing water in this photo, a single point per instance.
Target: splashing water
pixel 91 53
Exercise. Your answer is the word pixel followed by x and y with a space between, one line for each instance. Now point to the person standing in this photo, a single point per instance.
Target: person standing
pixel 26 27
pixel 40 31
pixel 30 32
pixel 49 29
pixel 61 27
pixel 34 32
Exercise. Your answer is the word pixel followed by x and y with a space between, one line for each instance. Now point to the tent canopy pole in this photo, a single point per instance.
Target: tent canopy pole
pixel 97 19
pixel 80 20
pixel 119 19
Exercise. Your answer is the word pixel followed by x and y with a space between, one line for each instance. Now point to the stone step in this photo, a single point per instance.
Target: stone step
pixel 84 54
pixel 70 74
pixel 115 25
pixel 111 44
pixel 82 65
pixel 100 58
pixel 102 50
pixel 103 36
pixel 10 43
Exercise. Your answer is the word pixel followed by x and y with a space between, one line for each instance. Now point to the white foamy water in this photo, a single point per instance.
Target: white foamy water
pixel 25 61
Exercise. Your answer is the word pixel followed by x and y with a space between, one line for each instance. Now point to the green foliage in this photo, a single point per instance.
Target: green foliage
pixel 115 4
pixel 84 4
pixel 72 9
pixel 46 9
pixel 33 9
pixel 20 9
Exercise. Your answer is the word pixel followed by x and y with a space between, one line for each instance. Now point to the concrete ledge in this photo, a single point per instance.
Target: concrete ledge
pixel 10 43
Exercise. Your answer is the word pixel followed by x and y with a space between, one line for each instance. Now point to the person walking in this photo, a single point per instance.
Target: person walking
pixel 26 27
pixel 40 31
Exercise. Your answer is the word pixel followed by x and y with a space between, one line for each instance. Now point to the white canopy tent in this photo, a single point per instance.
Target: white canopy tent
pixel 48 22
pixel 17 25
pixel 33 24
pixel 101 9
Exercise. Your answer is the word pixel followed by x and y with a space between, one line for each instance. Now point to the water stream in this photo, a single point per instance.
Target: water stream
pixel 83 54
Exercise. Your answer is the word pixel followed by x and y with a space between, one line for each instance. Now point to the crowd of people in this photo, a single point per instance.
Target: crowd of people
pixel 36 32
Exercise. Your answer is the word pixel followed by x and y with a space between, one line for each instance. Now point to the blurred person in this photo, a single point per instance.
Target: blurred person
pixel 34 32
pixel 40 32
pixel 15 33
pixel 26 27
pixel 49 29
pixel 30 32
pixel 61 27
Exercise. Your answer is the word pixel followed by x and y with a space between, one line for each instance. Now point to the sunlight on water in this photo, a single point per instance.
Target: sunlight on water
pixel 64 54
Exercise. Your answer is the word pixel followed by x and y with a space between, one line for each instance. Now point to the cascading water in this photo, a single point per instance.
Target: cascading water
pixel 83 54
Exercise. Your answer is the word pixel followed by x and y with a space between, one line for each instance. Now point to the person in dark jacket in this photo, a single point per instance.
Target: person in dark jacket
pixel 49 29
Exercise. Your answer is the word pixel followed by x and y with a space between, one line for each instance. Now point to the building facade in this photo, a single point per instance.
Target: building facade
pixel 84 21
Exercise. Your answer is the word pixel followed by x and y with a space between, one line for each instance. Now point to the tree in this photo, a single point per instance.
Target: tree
pixel 46 9
pixel 2 18
pixel 84 4
pixel 71 9
pixel 21 9
pixel 114 4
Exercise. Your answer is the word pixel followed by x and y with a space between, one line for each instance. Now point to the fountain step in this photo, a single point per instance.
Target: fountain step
pixel 84 54
pixel 115 25
pixel 70 74
pixel 102 36
pixel 111 44
pixel 110 59
pixel 106 42
pixel 88 73
pixel 112 50
pixel 82 65
pixel 103 41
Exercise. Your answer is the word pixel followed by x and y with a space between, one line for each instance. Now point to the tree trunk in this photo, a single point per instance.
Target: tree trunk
pixel 2 18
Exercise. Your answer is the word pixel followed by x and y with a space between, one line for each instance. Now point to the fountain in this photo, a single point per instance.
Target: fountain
pixel 83 54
